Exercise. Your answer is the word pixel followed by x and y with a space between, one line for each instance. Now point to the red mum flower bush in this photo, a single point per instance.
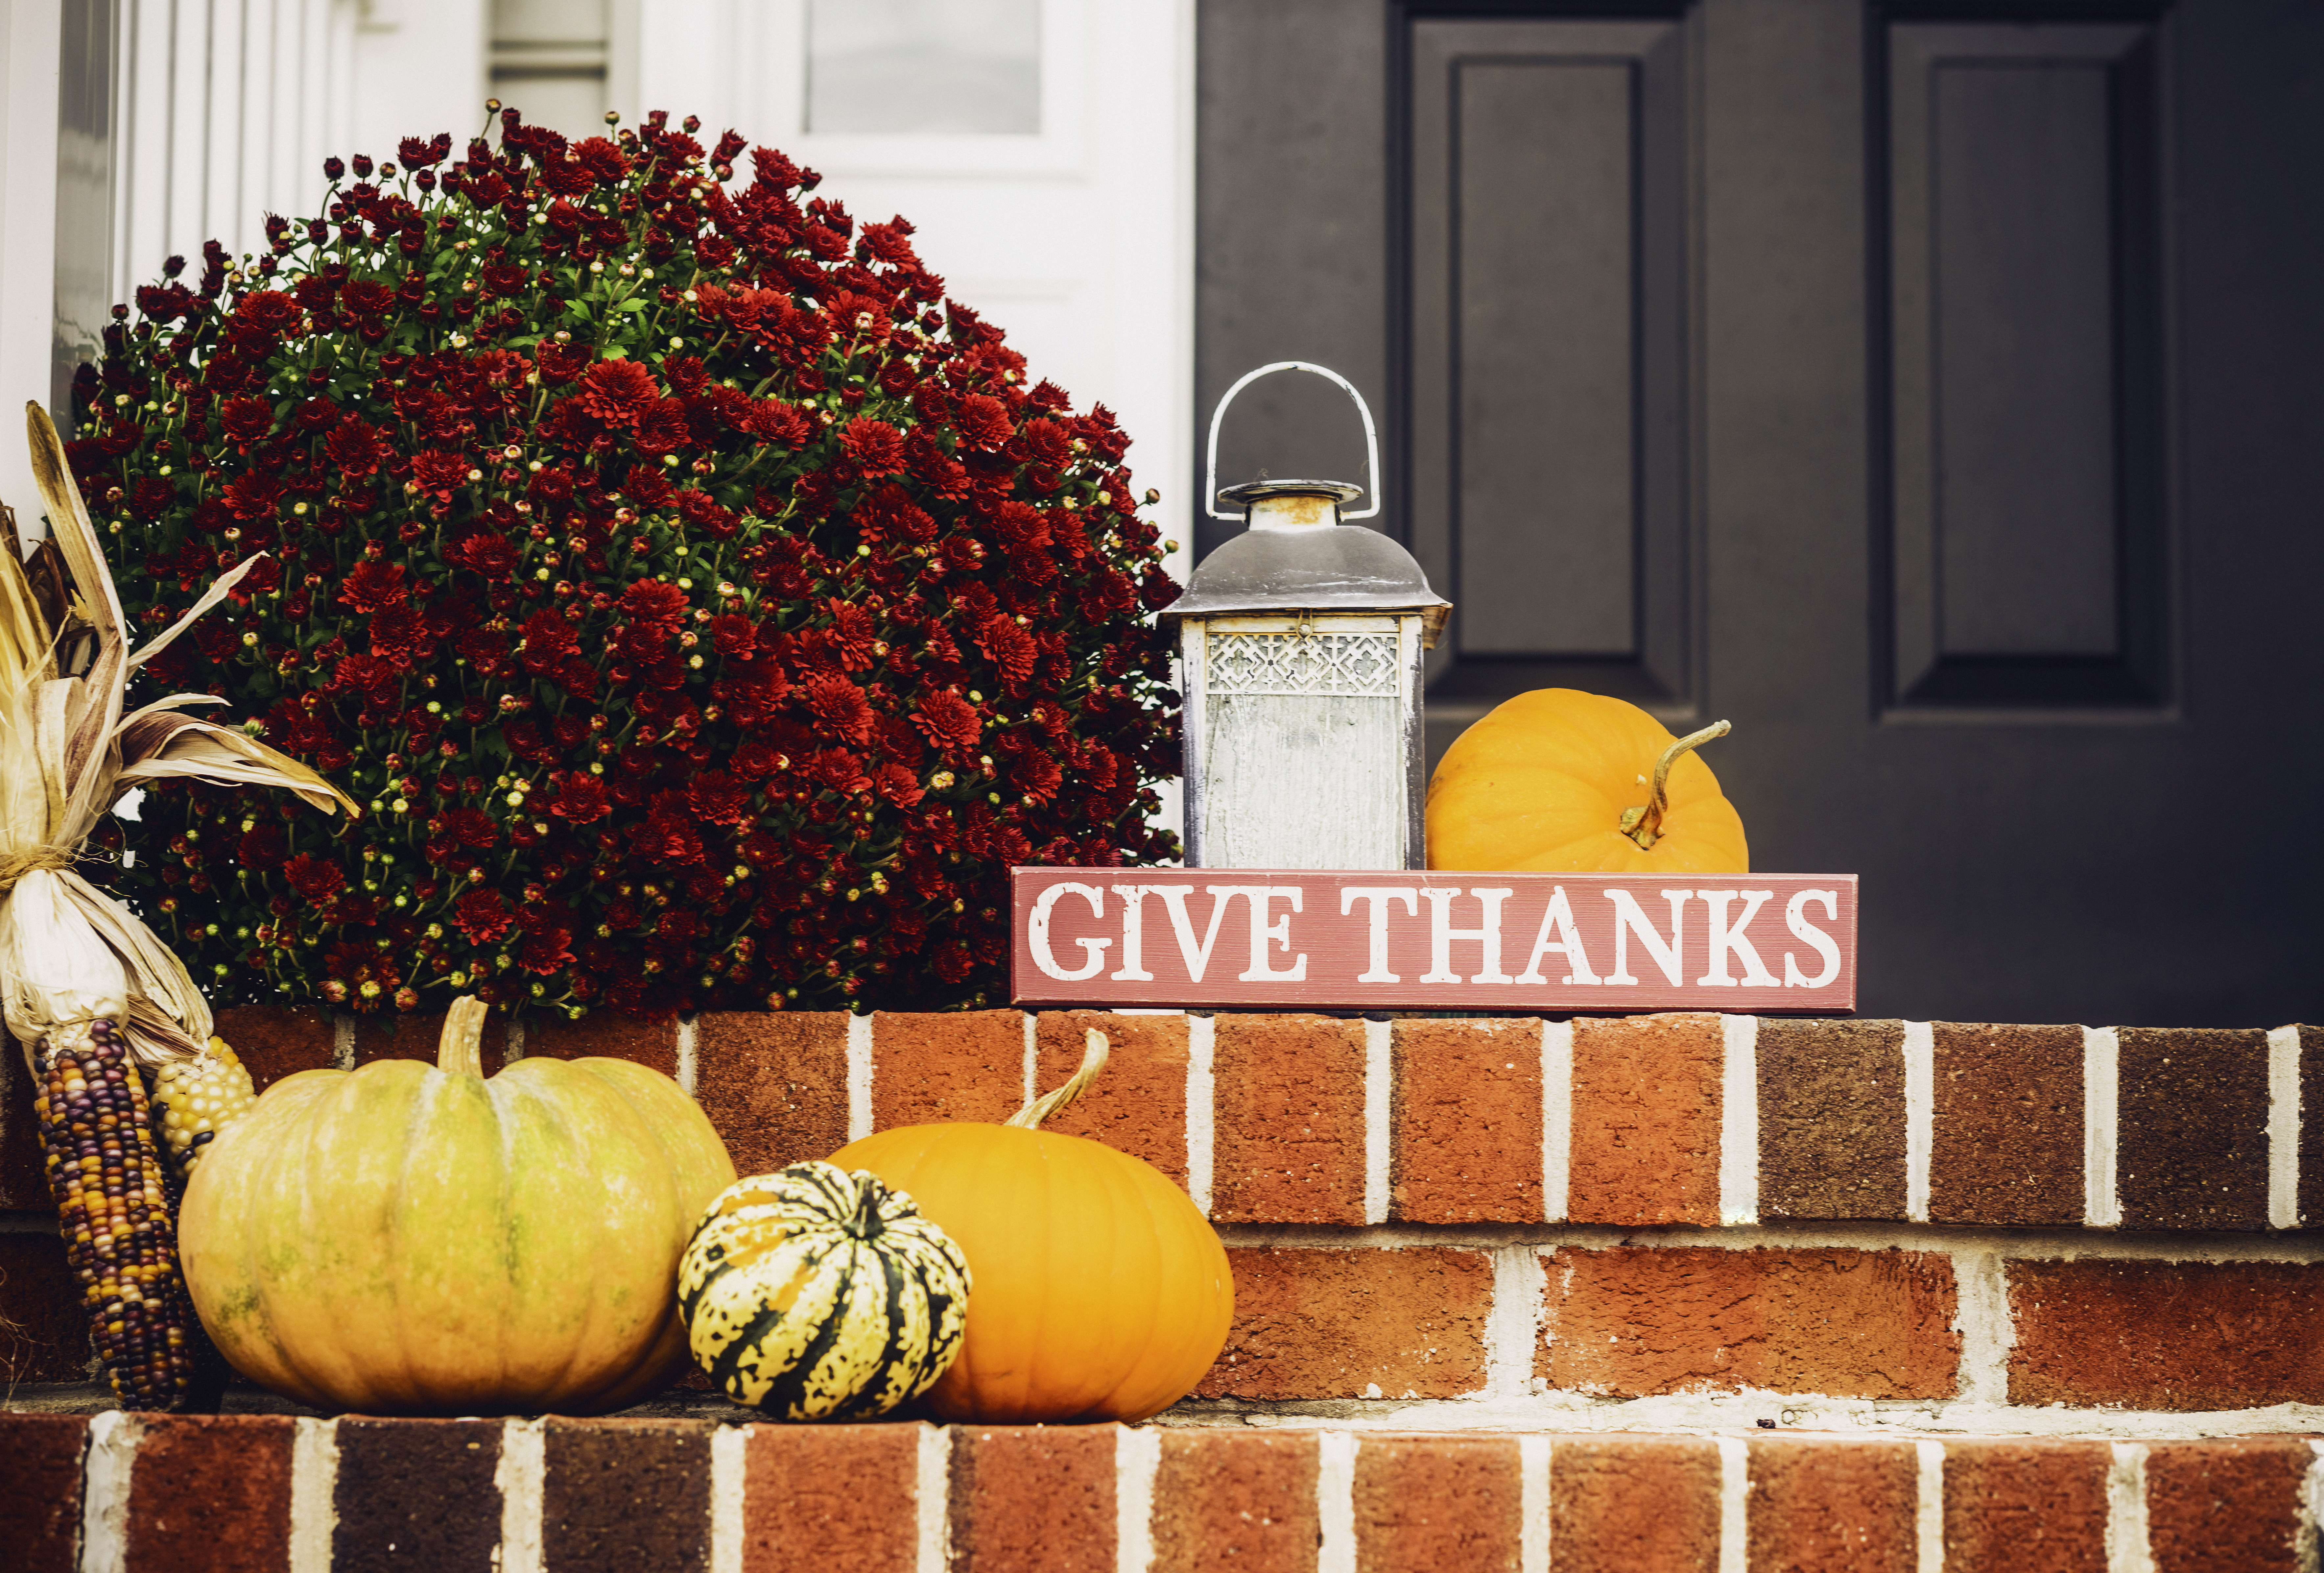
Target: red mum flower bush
pixel 708 612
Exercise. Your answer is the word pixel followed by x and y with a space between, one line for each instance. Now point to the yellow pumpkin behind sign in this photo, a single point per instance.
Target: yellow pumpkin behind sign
pixel 1561 780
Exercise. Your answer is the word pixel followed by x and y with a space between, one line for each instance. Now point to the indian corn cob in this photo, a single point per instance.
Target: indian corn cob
pixel 96 1000
pixel 107 1180
pixel 194 1100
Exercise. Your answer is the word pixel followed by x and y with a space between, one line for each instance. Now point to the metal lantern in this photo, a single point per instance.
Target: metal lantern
pixel 1301 642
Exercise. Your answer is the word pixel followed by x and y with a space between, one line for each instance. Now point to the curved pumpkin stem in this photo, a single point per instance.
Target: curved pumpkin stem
pixel 1644 825
pixel 1030 1117
pixel 460 1051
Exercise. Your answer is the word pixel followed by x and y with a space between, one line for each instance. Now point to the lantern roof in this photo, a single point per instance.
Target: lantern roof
pixel 1304 566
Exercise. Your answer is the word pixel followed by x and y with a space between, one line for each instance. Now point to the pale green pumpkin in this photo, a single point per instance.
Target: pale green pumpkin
pixel 408 1239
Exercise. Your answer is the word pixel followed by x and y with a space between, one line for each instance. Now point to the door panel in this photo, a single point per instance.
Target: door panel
pixel 1940 401
pixel 1547 241
pixel 2025 337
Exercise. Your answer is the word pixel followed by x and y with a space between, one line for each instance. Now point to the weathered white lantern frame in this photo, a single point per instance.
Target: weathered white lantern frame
pixel 1301 645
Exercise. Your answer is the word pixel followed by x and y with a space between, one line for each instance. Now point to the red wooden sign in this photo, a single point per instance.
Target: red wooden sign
pixel 1369 939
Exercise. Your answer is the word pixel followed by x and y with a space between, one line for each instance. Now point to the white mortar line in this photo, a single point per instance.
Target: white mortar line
pixel 2101 1096
pixel 1739 1121
pixel 1202 1116
pixel 314 1494
pixel 343 1043
pixel 1734 1507
pixel 1136 1456
pixel 513 1042
pixel 1379 1092
pixel 2308 1543
pixel 523 1469
pixel 2283 1128
pixel 2126 1532
pixel 687 1068
pixel 859 1078
pixel 933 1498
pixel 1556 1120
pixel 1533 1505
pixel 1920 1115
pixel 1335 1501
pixel 729 1448
pixel 110 1456
pixel 1929 1514
pixel 1981 1316
pixel 1032 1056
pixel 1513 1327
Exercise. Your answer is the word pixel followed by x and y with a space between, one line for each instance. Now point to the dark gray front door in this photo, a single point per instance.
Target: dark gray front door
pixel 1939 398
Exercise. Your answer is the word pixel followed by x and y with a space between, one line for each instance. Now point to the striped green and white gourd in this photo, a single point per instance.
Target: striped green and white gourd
pixel 817 1294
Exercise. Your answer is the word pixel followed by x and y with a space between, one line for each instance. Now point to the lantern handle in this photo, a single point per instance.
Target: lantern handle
pixel 1371 439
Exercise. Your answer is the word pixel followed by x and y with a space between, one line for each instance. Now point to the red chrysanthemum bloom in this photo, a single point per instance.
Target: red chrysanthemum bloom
pixel 372 585
pixel 876 447
pixel 617 391
pixel 483 917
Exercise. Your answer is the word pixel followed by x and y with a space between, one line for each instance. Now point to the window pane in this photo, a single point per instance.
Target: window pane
pixel 971 66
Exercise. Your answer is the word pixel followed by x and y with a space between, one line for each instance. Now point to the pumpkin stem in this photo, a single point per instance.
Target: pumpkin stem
pixel 1030 1117
pixel 460 1051
pixel 865 1225
pixel 1644 825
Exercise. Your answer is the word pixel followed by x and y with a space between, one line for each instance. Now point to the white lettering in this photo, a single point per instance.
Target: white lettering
pixel 1442 933
pixel 1724 939
pixel 1630 918
pixel 1262 931
pixel 1379 897
pixel 1036 933
pixel 1173 898
pixel 1795 915
pixel 1557 933
pixel 1133 934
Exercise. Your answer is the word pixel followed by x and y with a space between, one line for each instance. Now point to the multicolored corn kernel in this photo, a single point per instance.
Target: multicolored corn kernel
pixel 194 1100
pixel 107 1178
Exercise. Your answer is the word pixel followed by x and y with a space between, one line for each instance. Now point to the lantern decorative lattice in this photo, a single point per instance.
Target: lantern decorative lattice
pixel 1302 641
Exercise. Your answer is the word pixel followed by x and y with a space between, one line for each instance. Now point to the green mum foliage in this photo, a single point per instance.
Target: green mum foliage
pixel 707 612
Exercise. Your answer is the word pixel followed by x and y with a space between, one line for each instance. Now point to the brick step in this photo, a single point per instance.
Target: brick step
pixel 256 1494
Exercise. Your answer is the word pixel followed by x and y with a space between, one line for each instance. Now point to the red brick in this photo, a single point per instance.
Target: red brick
pixel 1863 1324
pixel 831 1499
pixel 1032 1499
pixel 1355 1324
pixel 279 1041
pixel 2311 1126
pixel 1235 1500
pixel 1424 1503
pixel 1289 1116
pixel 417 1494
pixel 1137 1103
pixel 40 1490
pixel 2167 1334
pixel 1646 1120
pixel 626 1494
pixel 2026 1506
pixel 23 1175
pixel 1639 1505
pixel 2226 1503
pixel 1834 1507
pixel 2006 1130
pixel 1831 1119
pixel 1467 1128
pixel 2193 1148
pixel 774 1084
pixel 420 1036
pixel 44 1332
pixel 211 1494
pixel 607 1033
pixel 966 1065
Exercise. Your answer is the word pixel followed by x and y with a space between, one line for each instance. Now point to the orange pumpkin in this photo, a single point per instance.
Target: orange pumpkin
pixel 1565 780
pixel 1101 1293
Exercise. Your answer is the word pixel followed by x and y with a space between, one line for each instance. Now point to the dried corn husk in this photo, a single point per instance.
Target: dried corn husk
pixel 69 953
